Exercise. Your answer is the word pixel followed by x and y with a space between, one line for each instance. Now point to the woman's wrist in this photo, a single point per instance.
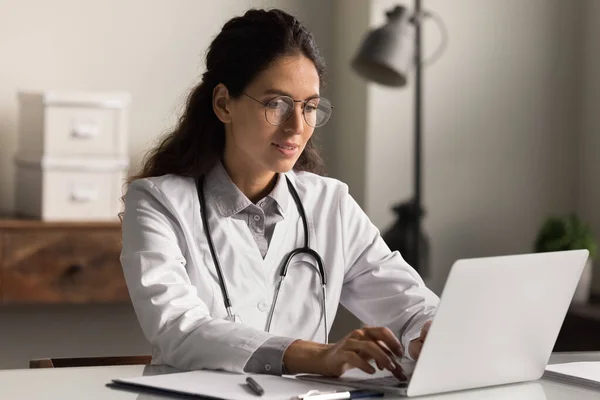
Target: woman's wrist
pixel 304 357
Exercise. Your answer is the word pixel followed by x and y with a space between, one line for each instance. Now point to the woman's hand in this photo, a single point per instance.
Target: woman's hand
pixel 356 350
pixel 415 346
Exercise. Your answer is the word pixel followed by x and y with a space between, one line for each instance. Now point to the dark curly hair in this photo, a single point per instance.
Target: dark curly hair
pixel 245 46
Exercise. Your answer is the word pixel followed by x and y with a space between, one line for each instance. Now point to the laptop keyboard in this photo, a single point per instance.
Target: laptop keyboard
pixel 389 381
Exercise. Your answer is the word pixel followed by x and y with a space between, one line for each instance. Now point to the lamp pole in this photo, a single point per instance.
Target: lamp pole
pixel 418 136
pixel 386 56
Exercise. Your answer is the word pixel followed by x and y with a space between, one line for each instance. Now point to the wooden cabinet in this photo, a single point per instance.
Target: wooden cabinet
pixel 42 262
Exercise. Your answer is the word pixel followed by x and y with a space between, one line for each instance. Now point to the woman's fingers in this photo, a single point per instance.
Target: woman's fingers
pixel 357 361
pixel 386 336
pixel 358 334
pixel 361 334
pixel 367 357
pixel 417 345
pixel 370 350
pixel 373 343
pixel 367 349
pixel 415 348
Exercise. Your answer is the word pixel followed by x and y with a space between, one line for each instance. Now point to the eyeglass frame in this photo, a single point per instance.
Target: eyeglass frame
pixel 265 104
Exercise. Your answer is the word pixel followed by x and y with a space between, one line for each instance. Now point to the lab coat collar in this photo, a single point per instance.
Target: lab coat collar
pixel 229 199
pixel 281 193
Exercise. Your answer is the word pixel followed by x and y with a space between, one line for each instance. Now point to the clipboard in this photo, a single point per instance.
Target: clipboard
pixel 230 386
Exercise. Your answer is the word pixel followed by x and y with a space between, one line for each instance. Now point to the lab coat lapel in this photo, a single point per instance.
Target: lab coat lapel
pixel 280 240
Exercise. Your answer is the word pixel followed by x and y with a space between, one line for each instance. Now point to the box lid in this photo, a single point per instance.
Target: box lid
pixel 100 99
pixel 72 163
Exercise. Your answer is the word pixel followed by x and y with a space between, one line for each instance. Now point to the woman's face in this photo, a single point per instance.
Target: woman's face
pixel 254 143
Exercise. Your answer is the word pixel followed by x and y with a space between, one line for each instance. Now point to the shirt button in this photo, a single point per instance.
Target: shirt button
pixel 263 203
pixel 262 306
pixel 257 217
pixel 267 367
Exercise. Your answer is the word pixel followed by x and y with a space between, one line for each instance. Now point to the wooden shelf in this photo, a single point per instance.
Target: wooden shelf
pixel 14 221
pixel 35 224
pixel 60 262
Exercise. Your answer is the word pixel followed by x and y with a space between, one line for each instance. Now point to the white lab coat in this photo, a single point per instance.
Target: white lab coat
pixel 174 288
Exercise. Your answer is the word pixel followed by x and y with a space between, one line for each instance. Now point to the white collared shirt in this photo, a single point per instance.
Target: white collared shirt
pixel 261 217
pixel 175 291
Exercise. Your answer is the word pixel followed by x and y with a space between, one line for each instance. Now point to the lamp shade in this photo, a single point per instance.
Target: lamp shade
pixel 387 53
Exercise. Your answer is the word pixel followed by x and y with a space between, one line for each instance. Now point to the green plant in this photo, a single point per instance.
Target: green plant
pixel 565 233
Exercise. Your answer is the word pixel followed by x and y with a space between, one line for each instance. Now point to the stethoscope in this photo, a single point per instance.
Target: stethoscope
pixel 301 250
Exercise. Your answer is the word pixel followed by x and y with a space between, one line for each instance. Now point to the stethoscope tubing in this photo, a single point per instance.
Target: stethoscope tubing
pixel 282 273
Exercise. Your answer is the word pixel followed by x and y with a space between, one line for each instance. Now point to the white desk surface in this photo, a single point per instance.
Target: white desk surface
pixel 90 383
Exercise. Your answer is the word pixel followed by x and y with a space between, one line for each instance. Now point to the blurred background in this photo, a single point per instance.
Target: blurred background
pixel 511 125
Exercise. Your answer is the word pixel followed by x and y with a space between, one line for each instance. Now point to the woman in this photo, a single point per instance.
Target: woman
pixel 231 168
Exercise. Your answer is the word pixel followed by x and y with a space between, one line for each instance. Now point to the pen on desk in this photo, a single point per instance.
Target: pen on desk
pixel 256 388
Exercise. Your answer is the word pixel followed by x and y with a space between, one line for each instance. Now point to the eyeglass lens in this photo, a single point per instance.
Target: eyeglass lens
pixel 316 111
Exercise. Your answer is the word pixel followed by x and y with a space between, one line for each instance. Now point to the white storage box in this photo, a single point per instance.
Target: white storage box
pixel 70 189
pixel 73 124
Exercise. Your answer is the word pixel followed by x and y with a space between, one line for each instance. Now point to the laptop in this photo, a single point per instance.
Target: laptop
pixel 497 323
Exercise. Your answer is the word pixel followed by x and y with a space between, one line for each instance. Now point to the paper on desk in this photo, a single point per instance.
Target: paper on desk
pixel 224 385
pixel 578 372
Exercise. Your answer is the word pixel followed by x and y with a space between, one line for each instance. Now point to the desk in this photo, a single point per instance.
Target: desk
pixel 90 383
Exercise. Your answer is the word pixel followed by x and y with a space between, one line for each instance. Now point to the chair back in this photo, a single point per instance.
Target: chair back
pixel 89 361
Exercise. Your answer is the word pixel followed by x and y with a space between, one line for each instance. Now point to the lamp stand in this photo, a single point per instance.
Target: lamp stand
pixel 418 124
pixel 406 234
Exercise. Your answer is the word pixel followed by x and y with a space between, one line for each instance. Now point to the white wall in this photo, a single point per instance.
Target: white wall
pixel 589 179
pixel 346 158
pixel 500 127
pixel 345 138
pixel 153 49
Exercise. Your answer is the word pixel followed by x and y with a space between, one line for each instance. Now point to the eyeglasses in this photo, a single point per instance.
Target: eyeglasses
pixel 316 111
